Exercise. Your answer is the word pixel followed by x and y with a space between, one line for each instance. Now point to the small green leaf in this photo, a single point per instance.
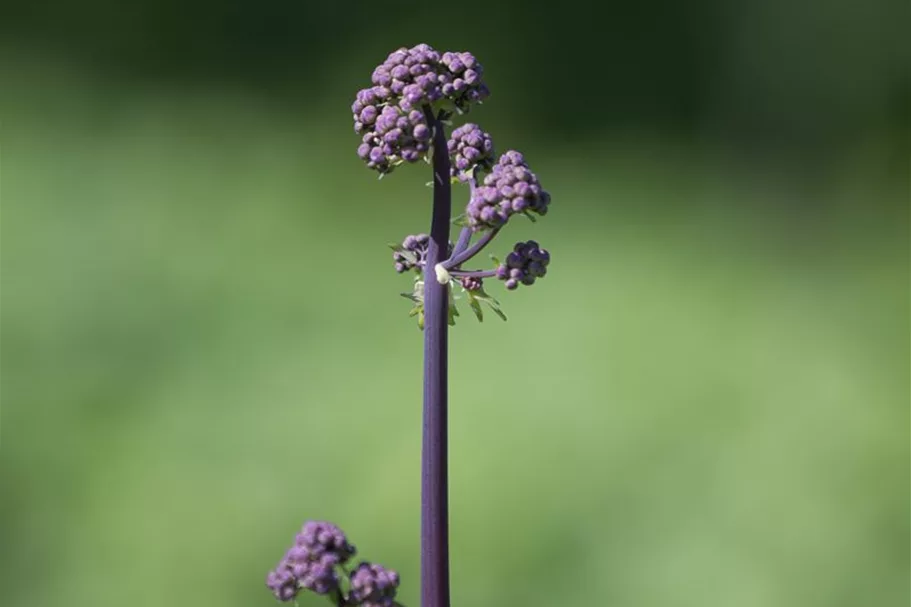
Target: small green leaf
pixel 498 312
pixel 492 303
pixel 476 307
pixel 530 216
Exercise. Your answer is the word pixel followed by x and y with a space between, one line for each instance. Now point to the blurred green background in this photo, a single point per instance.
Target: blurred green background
pixel 705 402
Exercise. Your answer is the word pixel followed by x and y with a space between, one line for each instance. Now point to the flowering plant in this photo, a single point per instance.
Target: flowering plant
pixel 402 119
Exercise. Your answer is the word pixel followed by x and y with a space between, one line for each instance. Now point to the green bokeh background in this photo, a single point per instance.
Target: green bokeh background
pixel 704 403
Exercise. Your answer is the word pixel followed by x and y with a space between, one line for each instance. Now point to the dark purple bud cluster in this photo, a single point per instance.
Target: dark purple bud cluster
pixel 389 116
pixel 469 147
pixel 526 263
pixel 373 586
pixel 510 188
pixel 318 549
pixel 471 283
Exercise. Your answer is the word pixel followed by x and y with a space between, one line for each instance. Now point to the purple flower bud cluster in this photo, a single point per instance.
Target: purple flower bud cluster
pixel 411 75
pixel 315 563
pixel 410 255
pixel 472 283
pixel 311 562
pixel 526 263
pixel 469 147
pixel 462 80
pixel 389 116
pixel 510 188
pixel 414 253
pixel 390 136
pixel 373 585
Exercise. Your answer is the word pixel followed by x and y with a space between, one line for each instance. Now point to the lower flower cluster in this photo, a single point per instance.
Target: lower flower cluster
pixel 318 562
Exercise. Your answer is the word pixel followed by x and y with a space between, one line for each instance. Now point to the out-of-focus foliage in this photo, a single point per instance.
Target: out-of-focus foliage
pixel 705 402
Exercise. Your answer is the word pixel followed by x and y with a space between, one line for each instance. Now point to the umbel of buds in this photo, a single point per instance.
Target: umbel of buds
pixel 318 562
pixel 414 94
pixel 389 115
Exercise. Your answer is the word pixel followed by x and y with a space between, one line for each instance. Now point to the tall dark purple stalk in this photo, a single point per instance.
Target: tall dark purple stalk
pixel 434 458
pixel 401 119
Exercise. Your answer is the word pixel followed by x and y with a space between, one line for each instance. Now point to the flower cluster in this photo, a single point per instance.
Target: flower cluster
pixel 411 254
pixel 510 188
pixel 462 81
pixel 471 283
pixel 373 586
pixel 391 136
pixel 311 562
pixel 469 147
pixel 526 263
pixel 315 563
pixel 389 116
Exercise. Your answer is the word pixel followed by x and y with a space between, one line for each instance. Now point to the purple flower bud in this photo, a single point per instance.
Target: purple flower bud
pixel 422 132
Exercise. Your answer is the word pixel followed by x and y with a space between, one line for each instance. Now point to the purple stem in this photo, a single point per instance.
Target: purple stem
pixel 462 243
pixel 457 260
pixel 465 234
pixel 473 273
pixel 434 467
